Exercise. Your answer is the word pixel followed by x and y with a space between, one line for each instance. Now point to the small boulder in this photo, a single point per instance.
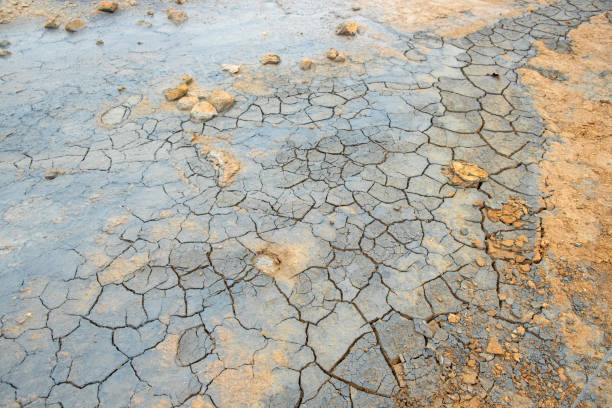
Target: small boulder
pixel 176 93
pixel 202 112
pixel 220 99
pixel 75 25
pixel 176 16
pixel 347 28
pixel 306 64
pixel 270 59
pixel 187 102
pixel 107 6
pixel 231 68
pixel 52 23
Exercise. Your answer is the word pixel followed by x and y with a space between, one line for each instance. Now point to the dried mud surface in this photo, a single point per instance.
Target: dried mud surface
pixel 423 222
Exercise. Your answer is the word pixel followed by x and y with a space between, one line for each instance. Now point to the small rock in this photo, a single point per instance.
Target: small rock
pixel 520 330
pixel 50 174
pixel 4 43
pixel 220 99
pixel 202 112
pixel 356 8
pixel 231 68
pixel 340 58
pixel 270 59
pixel 176 16
pixel 481 262
pixel 107 6
pixel 144 23
pixel 470 377
pixel 306 64
pixel 454 318
pixel 4 53
pixel 331 54
pixel 52 23
pixel 100 42
pixel 347 28
pixel 75 25
pixel 187 102
pixel 494 347
pixel 180 1
pixel 121 88
pixel 176 93
pixel 187 79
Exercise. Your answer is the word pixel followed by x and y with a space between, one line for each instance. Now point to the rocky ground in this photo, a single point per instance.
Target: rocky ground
pixel 305 204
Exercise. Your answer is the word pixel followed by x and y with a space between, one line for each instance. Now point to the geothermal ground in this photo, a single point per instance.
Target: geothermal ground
pixel 305 203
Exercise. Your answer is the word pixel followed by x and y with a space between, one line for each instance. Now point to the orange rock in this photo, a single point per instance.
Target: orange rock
pixel 107 6
pixel 494 347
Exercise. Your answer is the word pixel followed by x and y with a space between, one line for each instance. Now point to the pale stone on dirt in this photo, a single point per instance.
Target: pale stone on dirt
pixel 270 59
pixel 454 318
pixel 107 6
pixel 177 16
pixel 347 28
pixel 4 53
pixel 176 93
pixel 493 347
pixel 75 25
pixel 220 99
pixel 187 102
pixel 231 68
pixel 202 112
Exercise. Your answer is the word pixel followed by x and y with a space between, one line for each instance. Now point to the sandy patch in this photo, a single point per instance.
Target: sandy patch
pixel 447 18
pixel 577 175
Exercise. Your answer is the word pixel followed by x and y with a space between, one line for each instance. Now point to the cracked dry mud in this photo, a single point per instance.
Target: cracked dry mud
pixel 361 234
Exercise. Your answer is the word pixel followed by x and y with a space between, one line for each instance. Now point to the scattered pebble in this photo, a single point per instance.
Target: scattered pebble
pixel 331 54
pixel 144 23
pixel 100 42
pixel 187 79
pixel 347 28
pixel 202 112
pixel 272 59
pixel 180 1
pixel 176 93
pixel 52 23
pixel 231 68
pixel 4 43
pixel 107 6
pixel 187 102
pixel 75 25
pixel 51 173
pixel 176 16
pixel 454 318
pixel 4 53
pixel 220 99
pixel 494 347
pixel 306 64
pixel 334 55
pixel 481 262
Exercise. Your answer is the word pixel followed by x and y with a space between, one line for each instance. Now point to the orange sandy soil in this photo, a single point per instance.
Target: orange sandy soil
pixel 577 174
pixel 453 19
